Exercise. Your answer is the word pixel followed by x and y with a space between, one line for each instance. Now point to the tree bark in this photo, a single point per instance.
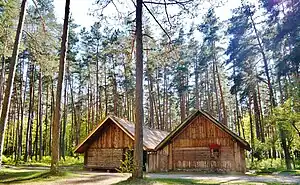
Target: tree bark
pixel 151 106
pixel 251 127
pixel 286 150
pixel 28 151
pixel 216 88
pixel 11 77
pixel 224 121
pixel 138 144
pixel 46 121
pixel 22 104
pixel 2 79
pixel 182 106
pixel 266 66
pixel 57 111
pixel 197 101
pixel 63 141
pixel 40 115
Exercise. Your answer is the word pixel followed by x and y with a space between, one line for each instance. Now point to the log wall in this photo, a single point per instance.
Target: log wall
pixel 190 150
pixel 107 151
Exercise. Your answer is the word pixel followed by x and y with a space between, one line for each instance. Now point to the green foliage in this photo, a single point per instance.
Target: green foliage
pixel 72 161
pixel 127 165
pixel 6 160
pixel 46 161
pixel 8 16
pixel 286 119
pixel 266 165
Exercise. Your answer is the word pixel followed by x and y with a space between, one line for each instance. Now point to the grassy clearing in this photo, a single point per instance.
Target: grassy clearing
pixel 148 181
pixel 74 162
pixel 23 175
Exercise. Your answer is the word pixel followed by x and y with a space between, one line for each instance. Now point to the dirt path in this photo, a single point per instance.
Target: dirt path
pixel 231 178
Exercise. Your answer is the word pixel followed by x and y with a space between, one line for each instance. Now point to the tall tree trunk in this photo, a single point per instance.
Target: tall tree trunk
pixel 11 77
pixel 74 113
pixel 237 109
pixel 28 151
pixel 105 90
pixel 22 105
pixel 63 141
pixel 216 89
pixel 56 120
pixel 52 117
pixel 159 123
pixel 46 121
pixel 165 100
pixel 98 90
pixel 138 144
pixel 182 106
pixel 2 79
pixel 208 105
pixel 224 121
pixel 251 127
pixel 151 102
pixel 258 124
pixel 115 93
pixel 41 115
pixel 266 66
pixel 18 155
pixel 197 97
pixel 284 145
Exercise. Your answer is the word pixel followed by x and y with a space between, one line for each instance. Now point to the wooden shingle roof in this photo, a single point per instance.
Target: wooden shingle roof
pixel 190 118
pixel 151 137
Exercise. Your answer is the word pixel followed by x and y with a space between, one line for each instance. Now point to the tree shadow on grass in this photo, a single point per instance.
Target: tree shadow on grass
pixel 90 179
pixel 148 181
pixel 20 176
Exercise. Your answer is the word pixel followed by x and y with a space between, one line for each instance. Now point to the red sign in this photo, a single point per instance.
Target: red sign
pixel 214 146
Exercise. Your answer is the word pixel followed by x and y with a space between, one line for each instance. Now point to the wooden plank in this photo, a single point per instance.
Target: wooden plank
pixel 192 148
pixel 170 159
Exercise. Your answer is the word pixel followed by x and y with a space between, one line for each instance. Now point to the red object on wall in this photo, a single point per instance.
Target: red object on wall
pixel 214 146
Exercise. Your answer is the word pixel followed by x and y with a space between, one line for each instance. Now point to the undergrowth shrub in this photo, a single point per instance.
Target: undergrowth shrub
pixel 46 161
pixel 127 165
pixel 6 159
pixel 266 165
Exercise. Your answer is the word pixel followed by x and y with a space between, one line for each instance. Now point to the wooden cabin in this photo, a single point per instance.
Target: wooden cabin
pixel 200 143
pixel 105 146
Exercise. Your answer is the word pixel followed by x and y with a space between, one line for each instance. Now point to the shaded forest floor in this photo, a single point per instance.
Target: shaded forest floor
pixel 41 175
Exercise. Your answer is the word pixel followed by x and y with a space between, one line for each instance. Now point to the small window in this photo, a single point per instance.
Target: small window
pixel 215 153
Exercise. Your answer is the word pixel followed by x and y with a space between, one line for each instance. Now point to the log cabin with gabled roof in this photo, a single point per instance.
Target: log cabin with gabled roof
pixel 105 146
pixel 200 143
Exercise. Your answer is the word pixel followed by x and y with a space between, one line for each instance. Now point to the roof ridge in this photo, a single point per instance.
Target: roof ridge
pixel 208 116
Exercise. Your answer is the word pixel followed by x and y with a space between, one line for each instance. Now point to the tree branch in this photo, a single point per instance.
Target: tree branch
pixel 168 3
pixel 43 21
pixel 157 21
pixel 166 10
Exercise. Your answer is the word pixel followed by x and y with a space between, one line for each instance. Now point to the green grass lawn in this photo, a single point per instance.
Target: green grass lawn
pixel 25 175
pixel 148 181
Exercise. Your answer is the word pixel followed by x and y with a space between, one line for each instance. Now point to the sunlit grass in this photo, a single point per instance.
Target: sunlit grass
pixel 161 181
pixel 23 175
